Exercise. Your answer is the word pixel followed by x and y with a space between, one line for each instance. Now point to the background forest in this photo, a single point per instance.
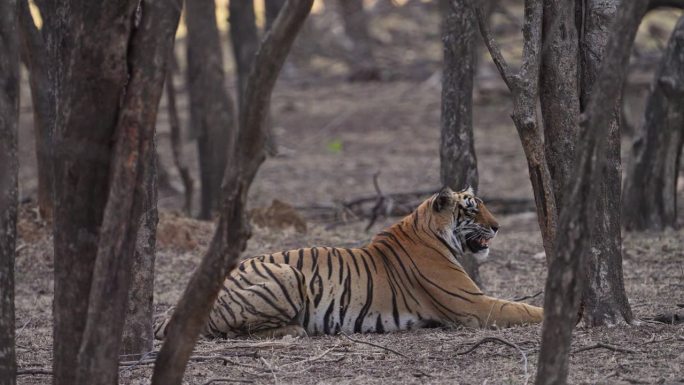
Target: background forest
pixel 373 108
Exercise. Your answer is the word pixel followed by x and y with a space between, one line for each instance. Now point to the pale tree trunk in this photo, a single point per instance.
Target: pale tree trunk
pixel 211 108
pixel 604 299
pixel 650 191
pixel 9 115
pixel 458 163
pixel 232 231
pixel 34 56
pixel 564 283
pixel 559 92
pixel 355 20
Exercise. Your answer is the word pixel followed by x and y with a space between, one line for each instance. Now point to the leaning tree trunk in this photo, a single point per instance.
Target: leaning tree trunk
pixel 232 231
pixel 650 192
pixel 9 115
pixel 355 20
pixel 604 299
pixel 559 92
pixel 271 10
pixel 211 108
pixel 34 56
pixel 458 163
pixel 564 284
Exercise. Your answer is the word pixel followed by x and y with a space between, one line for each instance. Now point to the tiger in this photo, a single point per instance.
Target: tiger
pixel 409 276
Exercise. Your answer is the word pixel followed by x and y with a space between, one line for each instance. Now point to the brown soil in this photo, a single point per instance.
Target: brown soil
pixel 333 137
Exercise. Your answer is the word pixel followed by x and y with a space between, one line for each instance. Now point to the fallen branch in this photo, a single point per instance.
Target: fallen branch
pixel 601 345
pixel 507 343
pixel 31 372
pixel 226 379
pixel 374 345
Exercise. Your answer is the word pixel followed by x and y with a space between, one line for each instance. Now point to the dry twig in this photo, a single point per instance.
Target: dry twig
pixel 507 343
pixel 227 379
pixel 601 345
pixel 374 345
pixel 30 372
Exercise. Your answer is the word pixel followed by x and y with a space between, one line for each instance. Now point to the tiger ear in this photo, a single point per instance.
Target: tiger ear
pixel 444 199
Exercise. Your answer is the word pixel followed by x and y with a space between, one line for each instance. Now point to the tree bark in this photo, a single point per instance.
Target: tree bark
pixel 211 108
pixel 9 115
pixel 87 44
pixel 604 299
pixel 564 283
pixel 138 334
pixel 34 56
pixel 525 89
pixel 271 10
pixel 559 92
pixel 176 142
pixel 363 67
pixel 131 176
pixel 650 191
pixel 458 163
pixel 232 231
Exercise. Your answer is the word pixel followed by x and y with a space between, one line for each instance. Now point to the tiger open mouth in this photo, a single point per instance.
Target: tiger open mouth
pixel 478 244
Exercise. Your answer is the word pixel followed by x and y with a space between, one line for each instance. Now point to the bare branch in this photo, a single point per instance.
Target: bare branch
pixel 601 345
pixel 493 47
pixel 374 345
pixel 499 340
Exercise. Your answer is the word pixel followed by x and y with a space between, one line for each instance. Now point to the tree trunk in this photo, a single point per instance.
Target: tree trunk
pixel 564 284
pixel 89 73
pixel 458 163
pixel 9 115
pixel 176 141
pixel 604 299
pixel 271 10
pixel 650 191
pixel 244 37
pixel 211 108
pixel 33 52
pixel 138 335
pixel 559 92
pixel 363 67
pixel 232 231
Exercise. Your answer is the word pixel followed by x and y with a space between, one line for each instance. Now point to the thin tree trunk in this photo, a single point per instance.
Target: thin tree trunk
pixel 604 299
pixel 138 335
pixel 89 75
pixel 650 191
pixel 9 115
pixel 525 91
pixel 232 231
pixel 363 67
pixel 564 283
pixel 176 142
pixel 211 108
pixel 271 10
pixel 244 37
pixel 559 92
pixel 132 177
pixel 34 56
pixel 458 163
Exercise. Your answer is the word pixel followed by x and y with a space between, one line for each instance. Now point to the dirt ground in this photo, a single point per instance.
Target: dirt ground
pixel 333 137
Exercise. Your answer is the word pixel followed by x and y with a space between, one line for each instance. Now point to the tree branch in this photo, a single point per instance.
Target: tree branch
pixel 493 47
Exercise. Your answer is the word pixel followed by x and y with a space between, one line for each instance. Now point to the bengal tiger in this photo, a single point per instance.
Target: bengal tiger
pixel 409 276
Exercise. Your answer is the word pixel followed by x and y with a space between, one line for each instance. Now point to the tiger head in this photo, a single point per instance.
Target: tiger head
pixel 463 221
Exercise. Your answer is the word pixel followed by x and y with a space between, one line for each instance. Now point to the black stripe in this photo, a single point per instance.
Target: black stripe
pixel 379 328
pixel 326 317
pixel 353 258
pixel 369 299
pixel 282 287
pixel 300 261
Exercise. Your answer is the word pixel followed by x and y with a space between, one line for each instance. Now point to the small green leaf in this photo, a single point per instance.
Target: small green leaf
pixel 335 146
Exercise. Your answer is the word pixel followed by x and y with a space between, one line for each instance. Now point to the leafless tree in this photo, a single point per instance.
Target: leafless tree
pixel 9 115
pixel 100 50
pixel 458 163
pixel 524 87
pixel 363 67
pixel 604 299
pixel 650 191
pixel 211 107
pixel 233 229
pixel 34 56
pixel 564 285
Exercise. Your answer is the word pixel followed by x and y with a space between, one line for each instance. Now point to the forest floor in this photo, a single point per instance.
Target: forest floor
pixel 333 137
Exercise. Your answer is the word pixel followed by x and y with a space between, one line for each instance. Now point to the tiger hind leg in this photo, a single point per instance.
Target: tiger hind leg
pixel 259 299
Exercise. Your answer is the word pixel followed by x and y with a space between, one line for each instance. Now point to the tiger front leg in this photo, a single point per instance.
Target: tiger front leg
pixel 502 313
